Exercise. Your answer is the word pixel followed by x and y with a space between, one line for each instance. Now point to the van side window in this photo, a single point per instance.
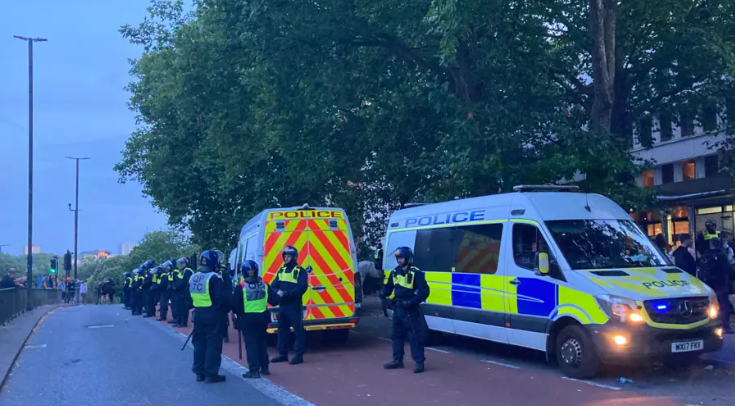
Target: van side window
pixel 478 249
pixel 395 240
pixel 436 249
pixel 527 241
pixel 251 248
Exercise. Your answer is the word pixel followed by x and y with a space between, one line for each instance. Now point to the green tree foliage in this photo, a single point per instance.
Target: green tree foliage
pixel 245 105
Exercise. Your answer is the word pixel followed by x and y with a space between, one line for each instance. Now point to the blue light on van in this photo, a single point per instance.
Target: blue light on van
pixel 661 307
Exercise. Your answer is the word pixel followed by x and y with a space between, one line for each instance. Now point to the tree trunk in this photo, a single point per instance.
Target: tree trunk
pixel 603 19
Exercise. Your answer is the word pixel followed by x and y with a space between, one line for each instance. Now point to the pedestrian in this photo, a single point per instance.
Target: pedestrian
pixel 290 283
pixel 210 298
pixel 663 245
pixel 183 298
pixel 8 281
pixel 716 273
pixel 249 303
pixel 409 288
pixel 83 292
pixel 683 257
pixel 710 232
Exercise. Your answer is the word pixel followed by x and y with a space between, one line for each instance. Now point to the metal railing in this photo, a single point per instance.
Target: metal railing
pixel 13 301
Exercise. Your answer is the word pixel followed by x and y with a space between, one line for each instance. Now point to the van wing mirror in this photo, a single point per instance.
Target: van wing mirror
pixel 542 263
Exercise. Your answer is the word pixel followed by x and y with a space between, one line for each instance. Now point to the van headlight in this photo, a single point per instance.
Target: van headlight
pixel 620 308
pixel 714 307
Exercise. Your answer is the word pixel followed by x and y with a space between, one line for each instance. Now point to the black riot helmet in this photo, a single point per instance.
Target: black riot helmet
pixel 208 261
pixel 249 270
pixel 405 253
pixel 289 250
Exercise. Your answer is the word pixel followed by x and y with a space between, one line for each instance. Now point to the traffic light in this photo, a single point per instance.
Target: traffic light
pixel 67 261
pixel 54 265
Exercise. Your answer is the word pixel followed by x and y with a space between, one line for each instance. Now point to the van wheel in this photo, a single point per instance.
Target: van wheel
pixel 337 337
pixel 576 354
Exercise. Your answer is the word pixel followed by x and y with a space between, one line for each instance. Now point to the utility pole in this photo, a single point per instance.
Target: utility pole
pixel 29 274
pixel 76 217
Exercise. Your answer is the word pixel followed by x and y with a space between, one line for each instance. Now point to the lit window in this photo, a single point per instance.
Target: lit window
pixel 689 170
pixel 647 178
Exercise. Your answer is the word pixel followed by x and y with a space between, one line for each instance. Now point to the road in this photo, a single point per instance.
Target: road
pixel 100 355
pixel 88 352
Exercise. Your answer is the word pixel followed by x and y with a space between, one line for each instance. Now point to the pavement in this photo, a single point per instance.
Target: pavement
pixel 459 372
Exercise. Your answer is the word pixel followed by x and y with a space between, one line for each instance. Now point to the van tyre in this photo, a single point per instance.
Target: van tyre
pixel 576 354
pixel 337 337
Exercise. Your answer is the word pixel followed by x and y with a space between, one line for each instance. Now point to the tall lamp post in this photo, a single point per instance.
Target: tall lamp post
pixel 29 274
pixel 76 216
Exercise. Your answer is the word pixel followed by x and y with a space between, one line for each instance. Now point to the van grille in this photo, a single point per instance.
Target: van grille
pixel 685 310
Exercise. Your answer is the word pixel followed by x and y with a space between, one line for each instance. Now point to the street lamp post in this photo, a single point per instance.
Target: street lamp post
pixel 29 274
pixel 76 217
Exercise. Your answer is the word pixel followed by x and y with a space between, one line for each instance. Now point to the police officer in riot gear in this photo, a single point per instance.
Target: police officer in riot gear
pixel 249 303
pixel 225 275
pixel 703 239
pixel 290 283
pixel 163 289
pixel 210 298
pixel 136 291
pixel 149 292
pixel 127 287
pixel 183 299
pixel 408 285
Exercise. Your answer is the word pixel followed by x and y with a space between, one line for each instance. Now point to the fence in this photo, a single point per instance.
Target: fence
pixel 13 301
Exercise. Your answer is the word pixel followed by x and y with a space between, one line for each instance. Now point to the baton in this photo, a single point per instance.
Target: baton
pixel 187 339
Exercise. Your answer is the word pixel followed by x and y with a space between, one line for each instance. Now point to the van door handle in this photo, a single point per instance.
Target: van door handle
pixel 319 288
pixel 515 282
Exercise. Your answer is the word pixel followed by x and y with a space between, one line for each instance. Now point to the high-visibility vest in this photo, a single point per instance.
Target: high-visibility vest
pixel 128 281
pixel 405 280
pixel 170 276
pixel 292 276
pixel 378 253
pixel 156 279
pixel 255 297
pixel 199 289
pixel 708 236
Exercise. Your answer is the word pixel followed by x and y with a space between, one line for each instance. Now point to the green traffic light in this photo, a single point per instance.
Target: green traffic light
pixel 53 270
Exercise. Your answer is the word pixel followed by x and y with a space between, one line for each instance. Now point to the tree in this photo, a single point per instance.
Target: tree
pixel 371 105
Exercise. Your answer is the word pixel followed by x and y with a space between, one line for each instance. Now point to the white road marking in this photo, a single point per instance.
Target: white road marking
pixel 102 326
pixel 35 346
pixel 599 385
pixel 438 350
pixel 500 364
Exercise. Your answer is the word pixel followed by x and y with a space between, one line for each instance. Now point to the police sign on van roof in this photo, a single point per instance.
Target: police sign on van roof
pixel 446 218
pixel 305 214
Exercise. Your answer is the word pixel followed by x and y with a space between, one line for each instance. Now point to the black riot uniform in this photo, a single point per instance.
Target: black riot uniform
pixel 137 293
pixel 127 288
pixel 150 309
pixel 291 281
pixel 408 285
pixel 164 291
pixel 210 298
pixel 183 299
pixel 249 303
pixel 222 270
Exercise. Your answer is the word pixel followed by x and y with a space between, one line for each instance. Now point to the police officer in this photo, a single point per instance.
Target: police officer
pixel 290 283
pixel 409 287
pixel 148 292
pixel 379 257
pixel 136 291
pixel 224 273
pixel 183 299
pixel 164 291
pixel 703 239
pixel 210 298
pixel 127 284
pixel 174 276
pixel 249 303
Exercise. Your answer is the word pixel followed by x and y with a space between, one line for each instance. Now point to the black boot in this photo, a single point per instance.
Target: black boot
pixel 296 360
pixel 419 368
pixel 200 378
pixel 251 375
pixel 265 371
pixel 279 358
pixel 215 379
pixel 395 364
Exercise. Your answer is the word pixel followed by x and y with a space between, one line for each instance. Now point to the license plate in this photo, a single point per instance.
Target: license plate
pixel 687 346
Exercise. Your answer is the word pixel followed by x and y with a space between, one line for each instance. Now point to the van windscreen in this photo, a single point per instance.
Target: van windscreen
pixel 600 244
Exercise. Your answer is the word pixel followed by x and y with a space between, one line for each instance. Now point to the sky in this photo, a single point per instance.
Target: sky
pixel 79 110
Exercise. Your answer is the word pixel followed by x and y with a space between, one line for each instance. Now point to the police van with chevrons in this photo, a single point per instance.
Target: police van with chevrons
pixel 545 268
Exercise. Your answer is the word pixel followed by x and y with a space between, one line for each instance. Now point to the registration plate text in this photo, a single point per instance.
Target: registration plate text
pixel 687 346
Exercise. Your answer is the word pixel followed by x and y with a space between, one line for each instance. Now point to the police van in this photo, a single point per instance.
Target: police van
pixel 323 237
pixel 545 268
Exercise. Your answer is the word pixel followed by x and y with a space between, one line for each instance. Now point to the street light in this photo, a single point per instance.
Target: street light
pixel 76 216
pixel 29 274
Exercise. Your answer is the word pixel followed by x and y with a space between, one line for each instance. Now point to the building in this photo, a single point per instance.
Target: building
pixel 36 249
pixel 687 175
pixel 125 248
